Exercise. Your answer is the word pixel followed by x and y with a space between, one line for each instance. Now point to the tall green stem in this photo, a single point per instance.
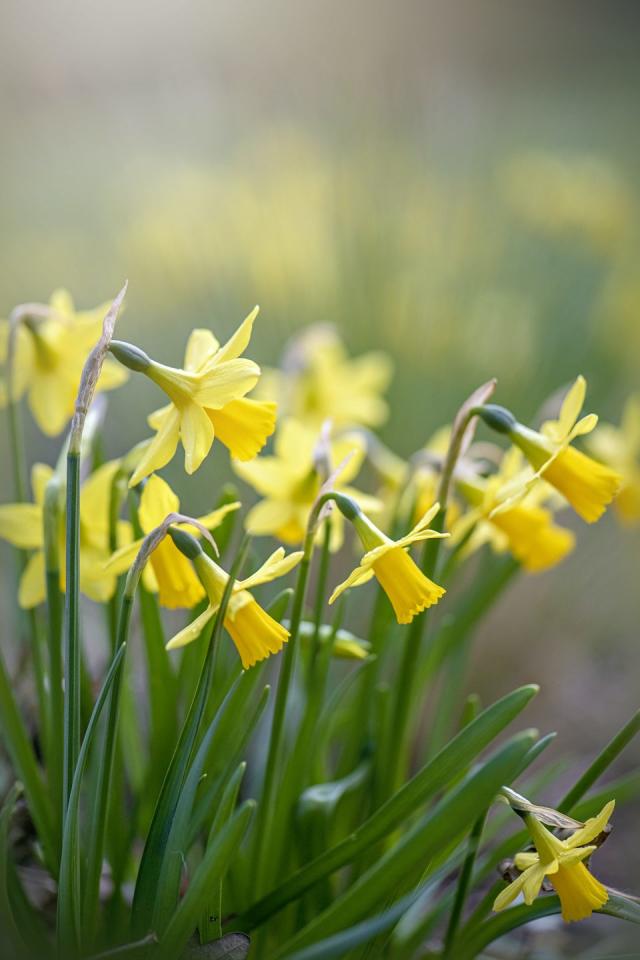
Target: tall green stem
pixel 71 624
pixel 462 888
pixel 55 758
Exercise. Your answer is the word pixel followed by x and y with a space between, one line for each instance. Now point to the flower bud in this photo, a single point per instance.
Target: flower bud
pixel 498 418
pixel 130 356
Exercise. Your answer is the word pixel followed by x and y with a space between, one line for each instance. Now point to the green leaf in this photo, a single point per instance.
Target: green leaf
pixel 468 948
pixel 149 873
pixel 434 832
pixel 213 867
pixel 432 777
pixel 69 887
pixel 180 820
pixel 339 945
pixel 24 761
pixel 10 928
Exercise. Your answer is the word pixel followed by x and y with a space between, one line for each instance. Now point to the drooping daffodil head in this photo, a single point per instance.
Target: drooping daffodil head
pixel 255 634
pixel 409 590
pixel 563 862
pixel 587 485
pixel 168 573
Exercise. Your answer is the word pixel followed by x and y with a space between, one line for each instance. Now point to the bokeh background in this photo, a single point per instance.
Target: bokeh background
pixel 457 184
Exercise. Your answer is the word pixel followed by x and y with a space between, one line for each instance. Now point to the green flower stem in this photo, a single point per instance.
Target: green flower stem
pixel 321 590
pixel 266 808
pixel 71 624
pixel 462 888
pixel 405 683
pixel 55 756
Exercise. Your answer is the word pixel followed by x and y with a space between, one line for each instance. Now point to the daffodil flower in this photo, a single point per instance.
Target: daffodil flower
pixel 22 525
pixel 50 352
pixel 319 382
pixel 526 528
pixel 619 448
pixel 169 573
pixel 562 861
pixel 588 486
pixel 207 400
pixel 255 634
pixel 290 482
pixel 408 589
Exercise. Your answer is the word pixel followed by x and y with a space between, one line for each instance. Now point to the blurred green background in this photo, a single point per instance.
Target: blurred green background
pixel 454 183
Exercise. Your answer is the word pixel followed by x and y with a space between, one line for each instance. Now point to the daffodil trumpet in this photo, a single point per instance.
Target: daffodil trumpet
pixel 409 590
pixel 255 634
pixel 563 862
pixel 589 486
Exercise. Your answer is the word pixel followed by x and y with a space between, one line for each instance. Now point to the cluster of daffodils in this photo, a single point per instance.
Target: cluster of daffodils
pixel 316 418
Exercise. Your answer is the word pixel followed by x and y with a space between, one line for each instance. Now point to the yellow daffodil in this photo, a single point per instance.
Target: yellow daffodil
pixel 526 528
pixel 22 525
pixel 169 574
pixel 207 400
pixel 255 634
pixel 321 382
pixel 408 589
pixel 619 448
pixel 290 481
pixel 562 862
pixel 589 486
pixel 50 352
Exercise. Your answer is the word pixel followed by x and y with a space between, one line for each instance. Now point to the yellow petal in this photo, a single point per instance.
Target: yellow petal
pixel 95 497
pixel 178 583
pixel 215 518
pixel 157 501
pixel 579 891
pixel 269 476
pixel 268 517
pixel 408 589
pixel 362 574
pixel 41 473
pixel 192 631
pixel 277 565
pixel 51 401
pixel 196 433
pixel 160 450
pixel 225 382
pixel 112 375
pixel 21 525
pixel 32 590
pixel 122 560
pixel 237 343
pixel 201 349
pixel 593 827
pixel 295 443
pixel 572 405
pixel 509 894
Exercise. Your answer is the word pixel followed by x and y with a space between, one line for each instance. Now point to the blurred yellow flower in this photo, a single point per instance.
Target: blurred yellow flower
pixel 619 448
pixel 408 589
pixel 525 528
pixel 22 525
pixel 589 486
pixel 169 574
pixel 580 195
pixel 319 382
pixel 290 481
pixel 207 398
pixel 255 634
pixel 50 352
pixel 562 862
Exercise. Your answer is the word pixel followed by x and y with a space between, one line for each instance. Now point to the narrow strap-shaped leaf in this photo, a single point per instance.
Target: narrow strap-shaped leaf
pixel 144 900
pixel 340 944
pixel 499 924
pixel 11 933
pixel 25 764
pixel 214 865
pixel 434 832
pixel 432 777
pixel 69 889
pixel 210 926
